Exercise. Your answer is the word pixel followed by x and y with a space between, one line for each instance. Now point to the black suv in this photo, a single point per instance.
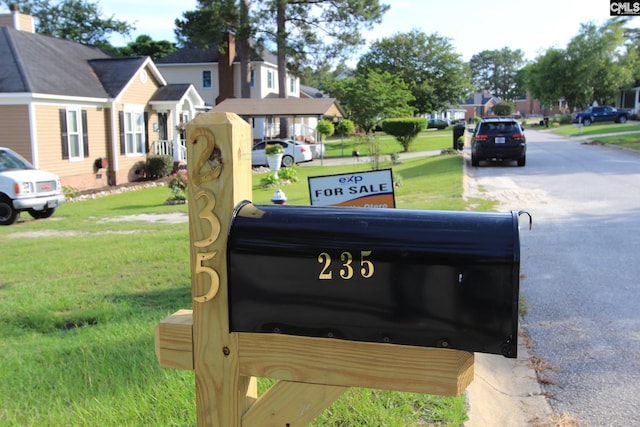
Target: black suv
pixel 498 138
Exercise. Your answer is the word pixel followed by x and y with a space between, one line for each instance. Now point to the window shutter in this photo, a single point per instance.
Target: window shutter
pixel 85 134
pixel 63 134
pixel 123 149
pixel 146 132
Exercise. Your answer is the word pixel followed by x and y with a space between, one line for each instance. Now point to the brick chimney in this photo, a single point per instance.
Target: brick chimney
pixel 225 67
pixel 17 20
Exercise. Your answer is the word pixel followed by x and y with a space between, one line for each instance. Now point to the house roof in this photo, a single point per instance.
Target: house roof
pixel 281 107
pixel 311 92
pixel 116 73
pixel 196 55
pixel 170 92
pixel 479 99
pixel 35 63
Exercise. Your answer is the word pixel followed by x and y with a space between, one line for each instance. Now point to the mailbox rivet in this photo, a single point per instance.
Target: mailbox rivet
pixel 330 334
pixel 386 339
pixel 276 330
pixel 226 351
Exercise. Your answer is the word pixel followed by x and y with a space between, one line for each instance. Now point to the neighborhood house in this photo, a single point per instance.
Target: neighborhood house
pixel 73 110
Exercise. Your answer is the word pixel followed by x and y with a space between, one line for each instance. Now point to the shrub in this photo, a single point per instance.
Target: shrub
pixel 159 166
pixel 345 127
pixel 69 192
pixel 178 186
pixel 325 128
pixel 270 149
pixel 289 173
pixel 269 180
pixel 503 108
pixel 404 129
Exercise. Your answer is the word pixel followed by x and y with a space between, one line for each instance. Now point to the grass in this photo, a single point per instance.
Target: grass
pixel 616 133
pixel 81 294
pixel 425 141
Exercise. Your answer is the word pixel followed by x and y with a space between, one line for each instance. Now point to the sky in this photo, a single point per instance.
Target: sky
pixel 470 25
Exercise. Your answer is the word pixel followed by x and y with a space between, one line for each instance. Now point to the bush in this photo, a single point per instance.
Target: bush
pixel 159 166
pixel 404 129
pixel 269 180
pixel 178 186
pixel 325 128
pixel 289 173
pixel 345 127
pixel 503 108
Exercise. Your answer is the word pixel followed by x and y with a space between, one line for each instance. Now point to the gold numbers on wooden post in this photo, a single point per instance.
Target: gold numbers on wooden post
pixel 208 167
pixel 346 265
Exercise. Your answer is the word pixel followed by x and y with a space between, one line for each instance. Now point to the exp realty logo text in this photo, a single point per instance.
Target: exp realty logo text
pixel 624 8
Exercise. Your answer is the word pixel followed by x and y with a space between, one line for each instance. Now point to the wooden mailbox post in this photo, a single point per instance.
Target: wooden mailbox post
pixel 311 372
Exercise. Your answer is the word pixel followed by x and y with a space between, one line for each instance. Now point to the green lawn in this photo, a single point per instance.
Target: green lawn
pixel 596 132
pixel 81 294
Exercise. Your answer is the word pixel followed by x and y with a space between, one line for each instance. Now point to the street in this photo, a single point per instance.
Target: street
pixel 579 271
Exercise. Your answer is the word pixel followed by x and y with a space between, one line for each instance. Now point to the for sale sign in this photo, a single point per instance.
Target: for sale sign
pixel 372 189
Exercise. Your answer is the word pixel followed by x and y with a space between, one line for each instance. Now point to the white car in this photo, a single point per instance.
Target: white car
pixel 294 152
pixel 24 188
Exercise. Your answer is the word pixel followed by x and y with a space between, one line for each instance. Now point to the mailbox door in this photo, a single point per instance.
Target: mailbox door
pixel 424 278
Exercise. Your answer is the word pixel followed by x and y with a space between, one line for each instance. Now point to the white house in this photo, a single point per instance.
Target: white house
pixel 200 67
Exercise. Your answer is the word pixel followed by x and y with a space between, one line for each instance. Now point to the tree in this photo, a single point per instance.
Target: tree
pixel 206 26
pixel 404 130
pixel 325 128
pixel 593 67
pixel 495 71
pixel 144 45
pixel 436 75
pixel 319 29
pixel 77 20
pixel 345 127
pixel 549 78
pixel 503 108
pixel 372 97
pixel 595 59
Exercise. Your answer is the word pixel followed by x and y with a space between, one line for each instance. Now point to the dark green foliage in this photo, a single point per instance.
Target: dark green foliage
pixel 325 128
pixel 404 129
pixel 78 20
pixel 159 166
pixel 503 108
pixel 345 127
pixel 146 46
pixel 430 67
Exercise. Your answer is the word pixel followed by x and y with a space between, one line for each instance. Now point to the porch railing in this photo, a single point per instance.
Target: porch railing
pixel 164 147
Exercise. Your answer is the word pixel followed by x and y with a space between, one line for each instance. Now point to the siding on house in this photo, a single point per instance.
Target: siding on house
pixel 14 122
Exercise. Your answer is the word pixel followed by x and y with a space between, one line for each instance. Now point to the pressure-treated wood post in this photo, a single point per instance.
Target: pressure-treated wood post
pixel 219 174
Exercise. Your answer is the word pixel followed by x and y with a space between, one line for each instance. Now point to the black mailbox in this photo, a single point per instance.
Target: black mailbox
pixel 424 278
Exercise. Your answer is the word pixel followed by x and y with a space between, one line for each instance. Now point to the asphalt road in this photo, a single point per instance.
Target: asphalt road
pixel 580 271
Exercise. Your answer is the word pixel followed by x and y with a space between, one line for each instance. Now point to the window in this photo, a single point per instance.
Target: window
pixel 292 84
pixel 252 82
pixel 133 131
pixel 270 79
pixel 206 79
pixel 73 133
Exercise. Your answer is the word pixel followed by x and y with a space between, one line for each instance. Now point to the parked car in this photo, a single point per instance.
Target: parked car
pixel 294 152
pixel 24 188
pixel 498 138
pixel 317 150
pixel 601 114
pixel 437 124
